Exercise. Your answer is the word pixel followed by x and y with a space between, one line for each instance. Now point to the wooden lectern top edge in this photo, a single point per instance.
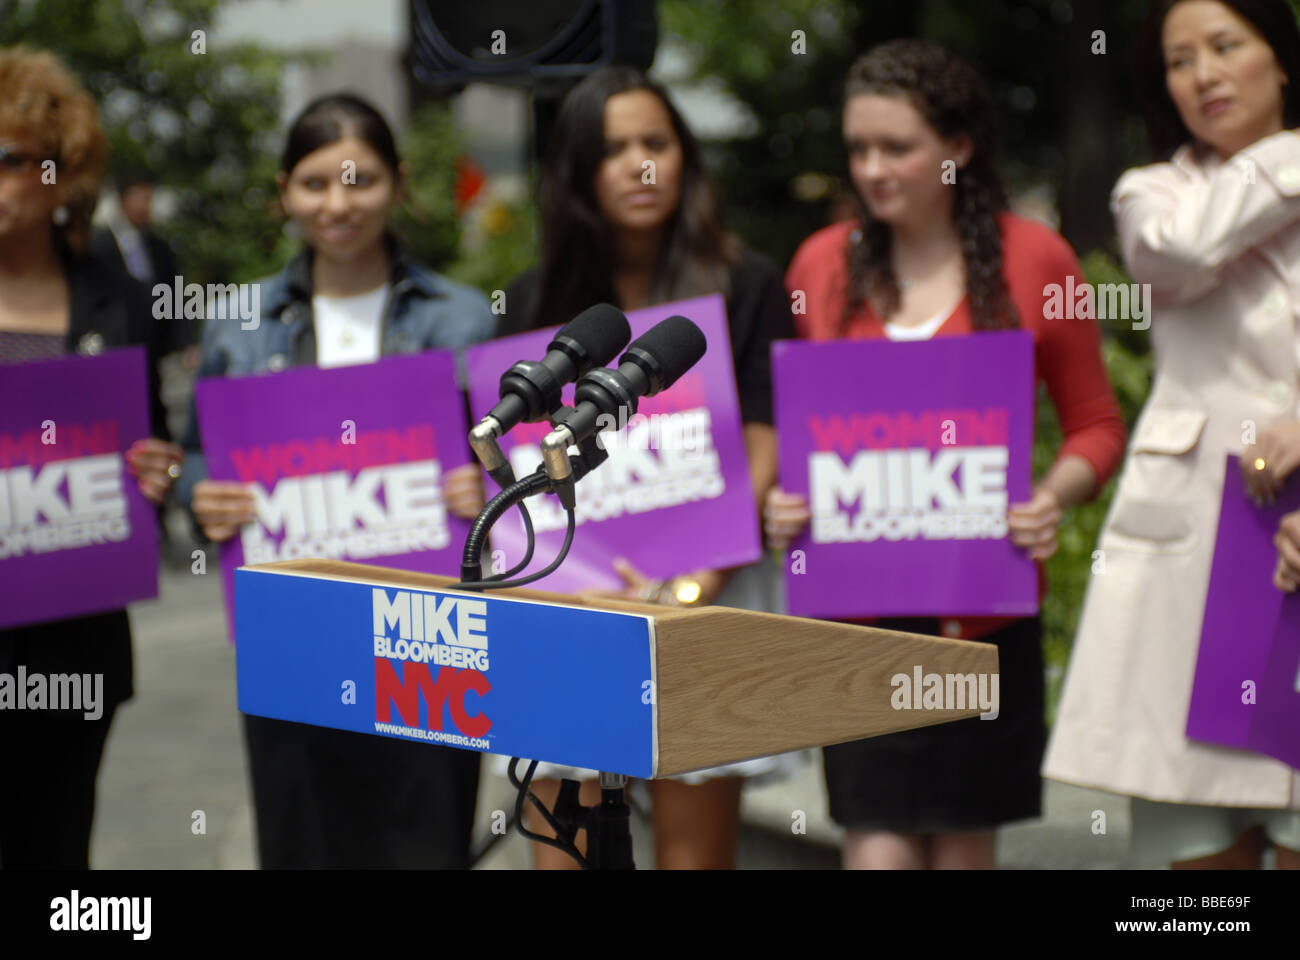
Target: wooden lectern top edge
pixel 367 573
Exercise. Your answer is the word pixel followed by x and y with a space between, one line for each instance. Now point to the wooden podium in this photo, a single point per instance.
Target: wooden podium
pixel 631 688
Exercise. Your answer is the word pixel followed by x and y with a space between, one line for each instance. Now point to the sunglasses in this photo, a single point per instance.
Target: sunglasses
pixel 11 160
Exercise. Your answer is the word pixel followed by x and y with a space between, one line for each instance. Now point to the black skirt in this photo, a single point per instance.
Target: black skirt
pixel 966 775
pixel 48 807
pixel 330 799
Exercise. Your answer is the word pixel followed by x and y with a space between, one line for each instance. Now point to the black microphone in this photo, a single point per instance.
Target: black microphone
pixel 605 397
pixel 530 390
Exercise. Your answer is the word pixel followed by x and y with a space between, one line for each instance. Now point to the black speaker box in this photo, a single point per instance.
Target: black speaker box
pixel 527 42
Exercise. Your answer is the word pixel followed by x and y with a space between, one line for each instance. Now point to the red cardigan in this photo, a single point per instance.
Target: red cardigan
pixel 1067 352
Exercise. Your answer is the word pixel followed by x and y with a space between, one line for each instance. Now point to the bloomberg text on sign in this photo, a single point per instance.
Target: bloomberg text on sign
pixel 888 476
pixel 76 534
pixel 675 468
pixel 438 656
pixel 910 454
pixel 343 463
pixel 320 645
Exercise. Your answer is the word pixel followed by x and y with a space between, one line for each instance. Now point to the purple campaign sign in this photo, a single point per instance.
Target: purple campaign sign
pixel 909 454
pixel 344 463
pixel 1244 692
pixel 76 534
pixel 674 494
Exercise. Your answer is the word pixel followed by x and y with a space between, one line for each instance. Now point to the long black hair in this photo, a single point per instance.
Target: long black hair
pixel 578 250
pixel 1274 20
pixel 950 94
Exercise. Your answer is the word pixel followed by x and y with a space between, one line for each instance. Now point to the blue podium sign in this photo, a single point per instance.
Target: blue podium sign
pixel 470 670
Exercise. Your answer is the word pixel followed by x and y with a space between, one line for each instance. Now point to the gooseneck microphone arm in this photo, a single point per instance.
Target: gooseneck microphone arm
pixel 471 564
pixel 537 482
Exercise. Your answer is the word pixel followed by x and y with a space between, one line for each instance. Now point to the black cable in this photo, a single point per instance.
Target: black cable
pixel 473 552
pixel 517 492
pixel 544 572
pixel 525 793
pixel 528 554
pixel 554 564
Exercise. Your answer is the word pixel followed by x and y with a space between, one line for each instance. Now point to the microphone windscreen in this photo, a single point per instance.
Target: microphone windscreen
pixel 675 345
pixel 600 332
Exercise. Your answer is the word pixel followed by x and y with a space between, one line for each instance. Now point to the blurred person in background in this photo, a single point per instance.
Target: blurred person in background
pixel 324 797
pixel 130 240
pixel 609 236
pixel 56 298
pixel 1214 228
pixel 130 244
pixel 930 257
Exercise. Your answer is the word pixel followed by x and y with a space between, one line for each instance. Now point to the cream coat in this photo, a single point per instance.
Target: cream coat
pixel 1219 243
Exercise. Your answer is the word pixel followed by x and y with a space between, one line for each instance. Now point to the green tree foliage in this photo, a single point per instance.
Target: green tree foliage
pixel 750 47
pixel 500 242
pixel 426 220
pixel 1128 362
pixel 505 247
pixel 204 123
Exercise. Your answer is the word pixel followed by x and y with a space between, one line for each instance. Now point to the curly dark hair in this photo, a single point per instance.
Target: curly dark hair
pixel 950 94
pixel 40 97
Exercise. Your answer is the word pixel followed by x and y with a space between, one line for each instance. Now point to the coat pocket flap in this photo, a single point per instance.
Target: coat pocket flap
pixel 1168 431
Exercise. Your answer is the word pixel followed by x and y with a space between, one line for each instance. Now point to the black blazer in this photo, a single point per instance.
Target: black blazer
pixel 172 335
pixel 107 309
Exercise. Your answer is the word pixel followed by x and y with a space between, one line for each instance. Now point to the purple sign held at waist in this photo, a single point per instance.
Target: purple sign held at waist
pixel 76 534
pixel 909 455
pixel 1245 691
pixel 674 494
pixel 344 463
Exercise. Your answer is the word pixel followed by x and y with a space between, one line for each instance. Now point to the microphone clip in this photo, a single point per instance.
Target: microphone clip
pixel 483 441
pixel 565 470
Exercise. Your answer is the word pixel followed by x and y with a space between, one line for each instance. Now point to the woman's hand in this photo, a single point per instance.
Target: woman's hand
pixel 1034 524
pixel 1267 462
pixel 221 508
pixel 462 490
pixel 642 589
pixel 785 516
pixel 1287 541
pixel 155 464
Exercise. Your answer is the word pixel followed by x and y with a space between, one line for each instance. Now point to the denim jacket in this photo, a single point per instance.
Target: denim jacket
pixel 424 310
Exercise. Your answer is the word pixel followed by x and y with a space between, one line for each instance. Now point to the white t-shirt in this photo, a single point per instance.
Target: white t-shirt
pixel 922 331
pixel 347 328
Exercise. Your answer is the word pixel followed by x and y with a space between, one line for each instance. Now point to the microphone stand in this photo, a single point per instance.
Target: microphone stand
pixel 608 823
pixel 609 833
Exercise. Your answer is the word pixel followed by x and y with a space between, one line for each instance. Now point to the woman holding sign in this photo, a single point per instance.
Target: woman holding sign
pixel 57 299
pixel 935 253
pixel 334 798
pixel 628 217
pixel 1214 229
